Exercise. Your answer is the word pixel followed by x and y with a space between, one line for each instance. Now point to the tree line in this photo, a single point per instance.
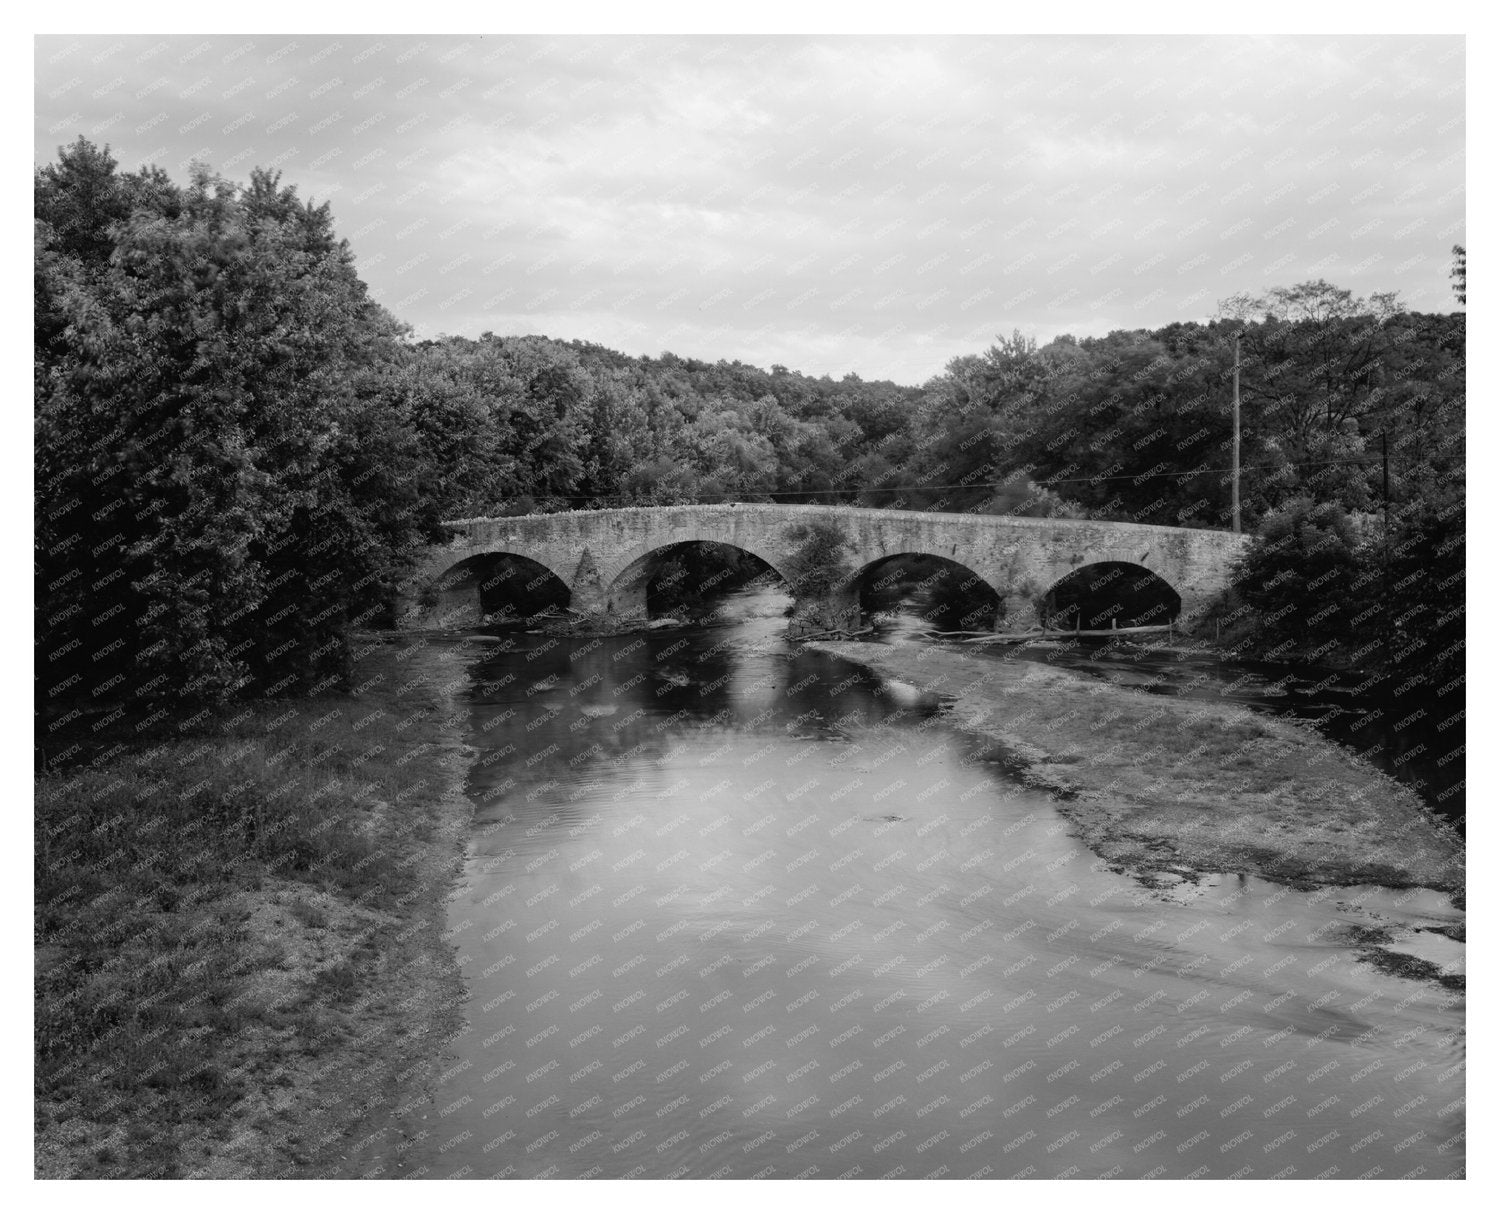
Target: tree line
pixel 239 453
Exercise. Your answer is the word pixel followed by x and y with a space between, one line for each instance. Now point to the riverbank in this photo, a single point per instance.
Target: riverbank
pixel 242 965
pixel 1165 789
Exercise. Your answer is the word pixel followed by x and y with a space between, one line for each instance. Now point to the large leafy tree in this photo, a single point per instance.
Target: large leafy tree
pixel 1315 363
pixel 223 475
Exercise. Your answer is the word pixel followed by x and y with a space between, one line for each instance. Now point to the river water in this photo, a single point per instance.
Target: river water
pixel 734 909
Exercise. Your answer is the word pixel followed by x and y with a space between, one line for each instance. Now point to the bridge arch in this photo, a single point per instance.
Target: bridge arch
pixel 484 585
pixel 642 580
pixel 1109 593
pixel 950 593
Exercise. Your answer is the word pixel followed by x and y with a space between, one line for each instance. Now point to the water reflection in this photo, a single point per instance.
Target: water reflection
pixel 734 909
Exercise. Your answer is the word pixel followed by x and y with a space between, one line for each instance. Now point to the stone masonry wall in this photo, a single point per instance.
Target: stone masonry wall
pixel 600 554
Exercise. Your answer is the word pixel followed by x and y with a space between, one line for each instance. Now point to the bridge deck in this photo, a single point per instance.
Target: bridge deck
pixel 866 512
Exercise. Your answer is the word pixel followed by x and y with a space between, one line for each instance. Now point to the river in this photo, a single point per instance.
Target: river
pixel 733 908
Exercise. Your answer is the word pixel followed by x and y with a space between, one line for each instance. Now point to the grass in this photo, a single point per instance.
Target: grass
pixel 216 913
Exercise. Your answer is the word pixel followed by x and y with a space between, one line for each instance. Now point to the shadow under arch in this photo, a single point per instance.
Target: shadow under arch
pixel 687 576
pixel 492 587
pixel 946 593
pixel 1106 594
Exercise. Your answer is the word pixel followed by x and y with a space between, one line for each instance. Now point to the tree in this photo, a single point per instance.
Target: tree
pixel 224 483
pixel 1459 273
pixel 79 198
pixel 1316 370
pixel 731 457
pixel 1302 574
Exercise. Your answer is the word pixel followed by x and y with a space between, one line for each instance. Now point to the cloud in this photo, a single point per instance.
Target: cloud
pixel 869 204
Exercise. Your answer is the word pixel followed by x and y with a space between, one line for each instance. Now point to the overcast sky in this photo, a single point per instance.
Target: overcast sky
pixel 875 205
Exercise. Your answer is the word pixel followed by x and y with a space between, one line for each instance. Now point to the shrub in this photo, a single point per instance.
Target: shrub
pixel 1305 575
pixel 820 564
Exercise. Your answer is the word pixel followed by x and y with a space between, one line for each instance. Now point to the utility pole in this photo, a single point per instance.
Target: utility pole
pixel 1235 491
pixel 1385 485
pixel 1385 544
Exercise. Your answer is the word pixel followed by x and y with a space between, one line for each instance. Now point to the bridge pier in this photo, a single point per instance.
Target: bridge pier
pixel 835 612
pixel 586 591
pixel 1194 606
pixel 611 608
pixel 1016 613
pixel 625 603
pixel 451 602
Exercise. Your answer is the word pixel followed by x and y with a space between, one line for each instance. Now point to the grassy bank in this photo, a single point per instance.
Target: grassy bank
pixel 240 967
pixel 1158 785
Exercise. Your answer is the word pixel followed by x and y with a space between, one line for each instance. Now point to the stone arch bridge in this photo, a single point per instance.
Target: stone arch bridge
pixel 604 557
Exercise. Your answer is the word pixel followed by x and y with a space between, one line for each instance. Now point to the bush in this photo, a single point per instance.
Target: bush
pixel 1305 574
pixel 819 565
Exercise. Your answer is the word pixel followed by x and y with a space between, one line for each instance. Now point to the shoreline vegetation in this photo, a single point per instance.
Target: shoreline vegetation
pixel 1167 790
pixel 242 967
